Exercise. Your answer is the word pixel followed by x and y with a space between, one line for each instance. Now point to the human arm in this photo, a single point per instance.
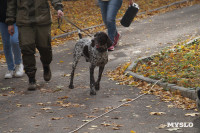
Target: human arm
pixel 57 4
pixel 11 15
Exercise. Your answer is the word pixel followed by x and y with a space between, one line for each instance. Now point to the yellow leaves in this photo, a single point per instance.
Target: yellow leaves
pixel 132 131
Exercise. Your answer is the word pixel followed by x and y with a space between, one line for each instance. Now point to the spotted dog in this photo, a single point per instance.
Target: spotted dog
pixel 95 51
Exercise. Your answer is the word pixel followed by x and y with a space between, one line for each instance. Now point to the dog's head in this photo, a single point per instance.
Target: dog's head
pixel 101 41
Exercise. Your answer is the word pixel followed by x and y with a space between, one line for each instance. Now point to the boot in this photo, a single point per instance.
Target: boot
pixel 32 84
pixel 47 72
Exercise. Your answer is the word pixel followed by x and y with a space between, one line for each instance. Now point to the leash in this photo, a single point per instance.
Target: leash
pixel 79 29
pixel 131 100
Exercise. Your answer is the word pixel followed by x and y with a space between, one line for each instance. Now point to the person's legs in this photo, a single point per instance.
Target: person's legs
pixel 19 69
pixel 7 49
pixel 27 45
pixel 43 44
pixel 113 7
pixel 6 45
pixel 15 45
pixel 104 6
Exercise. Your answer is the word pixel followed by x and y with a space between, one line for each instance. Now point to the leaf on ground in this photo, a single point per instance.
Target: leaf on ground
pixel 192 114
pixel 132 131
pixel 57 118
pixel 19 105
pixel 173 129
pixel 105 124
pixel 161 126
pixel 64 97
pixel 41 104
pixel 46 108
pixel 157 113
pixel 116 128
pixel 70 116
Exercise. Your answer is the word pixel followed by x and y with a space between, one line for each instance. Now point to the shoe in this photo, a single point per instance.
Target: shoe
pixel 32 84
pixel 111 48
pixel 19 70
pixel 47 72
pixel 9 74
pixel 116 39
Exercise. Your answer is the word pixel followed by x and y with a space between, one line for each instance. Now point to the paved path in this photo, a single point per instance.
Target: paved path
pixel 32 112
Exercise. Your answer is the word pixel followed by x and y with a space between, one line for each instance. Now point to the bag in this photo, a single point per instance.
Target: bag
pixel 129 15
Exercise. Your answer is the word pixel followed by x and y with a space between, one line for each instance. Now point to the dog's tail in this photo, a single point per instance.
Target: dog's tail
pixel 79 34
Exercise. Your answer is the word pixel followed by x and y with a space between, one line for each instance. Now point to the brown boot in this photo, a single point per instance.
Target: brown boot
pixel 47 72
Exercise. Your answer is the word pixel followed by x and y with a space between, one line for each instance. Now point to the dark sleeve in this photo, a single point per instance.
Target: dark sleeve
pixel 11 12
pixel 57 4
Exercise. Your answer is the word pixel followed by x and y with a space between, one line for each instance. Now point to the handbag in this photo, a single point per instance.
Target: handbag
pixel 129 15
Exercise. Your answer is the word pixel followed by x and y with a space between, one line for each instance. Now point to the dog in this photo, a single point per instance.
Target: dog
pixel 95 51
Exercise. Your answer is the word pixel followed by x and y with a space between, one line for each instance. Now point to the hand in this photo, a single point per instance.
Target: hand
pixel 11 30
pixel 60 14
pixel 131 2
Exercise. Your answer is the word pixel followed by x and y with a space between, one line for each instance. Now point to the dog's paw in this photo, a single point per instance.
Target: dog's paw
pixel 97 87
pixel 71 86
pixel 92 92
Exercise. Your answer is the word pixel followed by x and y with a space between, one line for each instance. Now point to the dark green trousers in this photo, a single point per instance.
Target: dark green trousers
pixel 30 38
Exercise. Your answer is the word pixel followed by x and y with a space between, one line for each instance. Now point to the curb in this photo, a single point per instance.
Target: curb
pixel 186 92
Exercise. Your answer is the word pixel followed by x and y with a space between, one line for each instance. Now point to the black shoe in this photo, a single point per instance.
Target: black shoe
pixel 32 84
pixel 47 72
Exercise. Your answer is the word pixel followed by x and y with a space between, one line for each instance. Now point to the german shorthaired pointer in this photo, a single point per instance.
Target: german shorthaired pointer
pixel 95 51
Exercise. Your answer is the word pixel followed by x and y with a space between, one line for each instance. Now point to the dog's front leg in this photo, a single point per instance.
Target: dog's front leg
pixel 97 84
pixel 92 81
pixel 71 86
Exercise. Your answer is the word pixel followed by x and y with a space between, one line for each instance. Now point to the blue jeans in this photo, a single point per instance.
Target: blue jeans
pixel 11 47
pixel 109 11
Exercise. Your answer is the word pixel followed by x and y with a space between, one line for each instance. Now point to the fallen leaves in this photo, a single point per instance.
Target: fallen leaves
pixel 57 118
pixel 192 114
pixel 46 108
pixel 165 95
pixel 157 113
pixel 177 65
pixel 173 129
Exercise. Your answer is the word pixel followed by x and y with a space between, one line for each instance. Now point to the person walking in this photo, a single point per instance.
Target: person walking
pixel 33 19
pixel 109 10
pixel 11 47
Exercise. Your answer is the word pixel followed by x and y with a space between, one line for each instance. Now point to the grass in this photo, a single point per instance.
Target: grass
pixel 178 65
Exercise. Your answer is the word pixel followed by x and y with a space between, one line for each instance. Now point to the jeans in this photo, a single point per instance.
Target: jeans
pixel 109 11
pixel 10 46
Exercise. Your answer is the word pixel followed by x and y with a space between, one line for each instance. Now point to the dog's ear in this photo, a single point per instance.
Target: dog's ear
pixel 93 43
pixel 109 42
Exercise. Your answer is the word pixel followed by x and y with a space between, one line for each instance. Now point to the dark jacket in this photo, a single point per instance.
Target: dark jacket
pixel 3 5
pixel 30 12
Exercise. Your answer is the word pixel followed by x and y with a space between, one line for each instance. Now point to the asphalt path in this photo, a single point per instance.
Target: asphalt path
pixel 54 108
